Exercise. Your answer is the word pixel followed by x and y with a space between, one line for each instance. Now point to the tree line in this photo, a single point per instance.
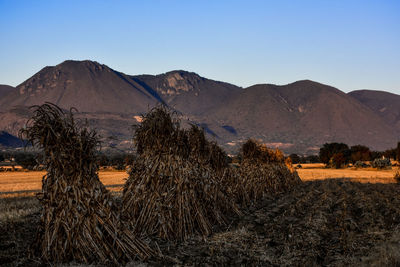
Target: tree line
pixel 339 154
pixel 334 155
pixel 33 160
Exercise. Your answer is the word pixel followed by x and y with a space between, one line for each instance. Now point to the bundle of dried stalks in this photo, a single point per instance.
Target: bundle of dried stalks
pixel 259 180
pixel 262 172
pixel 173 190
pixel 78 221
pixel 256 151
pixel 289 164
pixel 160 132
pixel 207 152
pixel 173 197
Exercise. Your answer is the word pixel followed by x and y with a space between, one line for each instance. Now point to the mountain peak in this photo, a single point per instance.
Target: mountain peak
pixel 181 72
pixel 80 64
pixel 172 83
pixel 307 82
pixel 86 85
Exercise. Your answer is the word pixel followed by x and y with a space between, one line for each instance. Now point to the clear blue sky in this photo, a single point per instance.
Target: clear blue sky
pixel 345 43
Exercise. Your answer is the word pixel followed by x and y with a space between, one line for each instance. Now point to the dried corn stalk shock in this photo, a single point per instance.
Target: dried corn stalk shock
pixel 79 221
pixel 173 190
pixel 262 172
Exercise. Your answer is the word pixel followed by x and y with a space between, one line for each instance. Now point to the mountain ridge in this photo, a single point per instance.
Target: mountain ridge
pixel 296 117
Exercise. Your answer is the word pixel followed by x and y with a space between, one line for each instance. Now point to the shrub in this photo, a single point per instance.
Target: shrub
pixel 338 160
pixel 376 155
pixel 390 153
pixel 360 164
pixel 26 160
pixel 311 159
pixel 328 151
pixel 295 158
pixel 360 153
pixel 381 163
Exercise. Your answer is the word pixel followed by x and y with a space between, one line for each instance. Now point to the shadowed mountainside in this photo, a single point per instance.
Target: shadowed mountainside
pixel 5 89
pixel 8 140
pixel 304 112
pixel 384 104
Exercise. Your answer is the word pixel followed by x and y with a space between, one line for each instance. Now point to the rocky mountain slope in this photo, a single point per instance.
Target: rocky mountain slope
pixel 188 92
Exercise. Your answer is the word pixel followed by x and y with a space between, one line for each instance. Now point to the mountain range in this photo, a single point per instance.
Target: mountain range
pixel 297 117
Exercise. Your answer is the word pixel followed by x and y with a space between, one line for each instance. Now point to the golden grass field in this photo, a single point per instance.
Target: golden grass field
pixel 19 182
pixel 25 183
pixel 311 172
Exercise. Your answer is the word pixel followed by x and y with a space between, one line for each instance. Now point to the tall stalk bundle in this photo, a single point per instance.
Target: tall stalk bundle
pixel 252 150
pixel 209 153
pixel 173 190
pixel 160 132
pixel 174 198
pixel 78 221
pixel 262 172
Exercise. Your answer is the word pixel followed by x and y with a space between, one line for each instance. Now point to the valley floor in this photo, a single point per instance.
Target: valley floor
pixel 332 222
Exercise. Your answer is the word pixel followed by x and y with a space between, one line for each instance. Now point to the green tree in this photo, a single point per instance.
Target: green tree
pixel 295 158
pixel 328 150
pixel 390 153
pixel 311 159
pixel 338 160
pixel 376 155
pixel 360 153
pixel 26 160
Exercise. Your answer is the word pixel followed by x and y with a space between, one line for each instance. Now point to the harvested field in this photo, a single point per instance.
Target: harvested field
pixel 367 175
pixel 17 183
pixel 327 222
pixel 25 182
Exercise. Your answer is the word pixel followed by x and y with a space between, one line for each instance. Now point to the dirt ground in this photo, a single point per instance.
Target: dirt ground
pixel 332 222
